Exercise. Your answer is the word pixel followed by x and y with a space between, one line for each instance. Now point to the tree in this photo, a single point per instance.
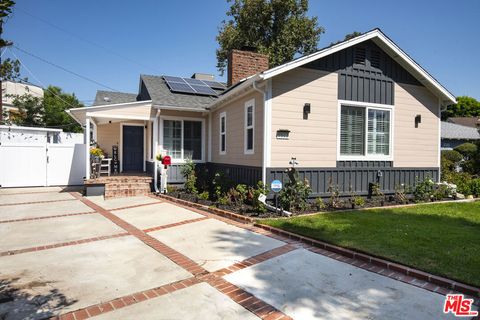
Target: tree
pixel 465 107
pixel 349 36
pixel 9 68
pixel 277 28
pixel 55 102
pixel 30 111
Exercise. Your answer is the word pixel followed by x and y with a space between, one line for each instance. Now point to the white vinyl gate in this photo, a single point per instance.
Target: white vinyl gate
pixel 27 159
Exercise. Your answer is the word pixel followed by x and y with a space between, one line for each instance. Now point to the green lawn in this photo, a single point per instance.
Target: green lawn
pixel 443 239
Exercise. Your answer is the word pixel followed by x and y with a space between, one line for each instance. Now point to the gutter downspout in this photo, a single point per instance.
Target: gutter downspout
pixel 264 159
pixel 155 151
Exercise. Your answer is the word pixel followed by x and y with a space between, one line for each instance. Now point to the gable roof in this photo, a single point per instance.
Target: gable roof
pixel 113 97
pixel 380 39
pixel 458 132
pixel 160 94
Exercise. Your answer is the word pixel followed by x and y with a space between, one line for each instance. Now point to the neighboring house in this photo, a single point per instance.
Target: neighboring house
pixel 358 112
pixel 454 135
pixel 11 89
pixel 473 122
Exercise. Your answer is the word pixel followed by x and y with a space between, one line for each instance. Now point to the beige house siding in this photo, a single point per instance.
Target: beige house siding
pixel 235 112
pixel 108 135
pixel 313 141
pixel 415 147
pixel 142 112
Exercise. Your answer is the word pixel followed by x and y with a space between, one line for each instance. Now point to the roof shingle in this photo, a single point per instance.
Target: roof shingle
pixel 456 131
pixel 112 97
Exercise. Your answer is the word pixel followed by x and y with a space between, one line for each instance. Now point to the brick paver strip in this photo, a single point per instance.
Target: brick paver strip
pixel 47 217
pixel 178 258
pixel 34 202
pixel 137 205
pixel 176 224
pixel 373 264
pixel 62 244
pixel 127 300
pixel 240 296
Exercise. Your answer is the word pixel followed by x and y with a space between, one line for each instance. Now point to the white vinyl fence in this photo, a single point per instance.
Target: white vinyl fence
pixel 40 157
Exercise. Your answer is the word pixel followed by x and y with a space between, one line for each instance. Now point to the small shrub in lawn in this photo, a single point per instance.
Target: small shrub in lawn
pixel 188 172
pixel 320 204
pixel 295 193
pixel 423 190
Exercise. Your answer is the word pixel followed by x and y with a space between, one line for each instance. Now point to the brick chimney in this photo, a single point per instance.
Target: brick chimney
pixel 242 64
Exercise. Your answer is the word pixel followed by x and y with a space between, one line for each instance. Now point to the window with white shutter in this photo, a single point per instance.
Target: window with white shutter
pixel 365 132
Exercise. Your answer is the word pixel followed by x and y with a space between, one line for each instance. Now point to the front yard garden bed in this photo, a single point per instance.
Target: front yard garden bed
pixel 442 239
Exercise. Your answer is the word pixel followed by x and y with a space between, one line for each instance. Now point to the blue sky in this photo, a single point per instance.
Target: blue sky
pixel 178 38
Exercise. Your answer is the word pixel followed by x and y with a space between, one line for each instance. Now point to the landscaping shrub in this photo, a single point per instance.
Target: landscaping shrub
pixel 220 185
pixel 320 204
pixel 400 194
pixel 295 193
pixel 423 190
pixel 475 187
pixel 334 201
pixel 441 192
pixel 188 172
pixel 468 150
pixel 203 195
pixel 450 160
pixel 254 193
pixel 463 182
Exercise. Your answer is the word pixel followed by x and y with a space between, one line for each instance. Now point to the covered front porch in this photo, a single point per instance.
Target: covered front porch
pixel 130 136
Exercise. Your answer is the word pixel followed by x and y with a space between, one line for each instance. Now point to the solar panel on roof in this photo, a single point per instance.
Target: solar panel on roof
pixel 203 89
pixel 180 87
pixel 215 84
pixel 194 81
pixel 173 79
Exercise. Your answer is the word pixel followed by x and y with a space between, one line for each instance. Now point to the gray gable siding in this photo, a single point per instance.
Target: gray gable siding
pixel 366 73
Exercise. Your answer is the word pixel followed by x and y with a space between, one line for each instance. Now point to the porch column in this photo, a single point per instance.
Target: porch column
pixel 87 148
pixel 154 153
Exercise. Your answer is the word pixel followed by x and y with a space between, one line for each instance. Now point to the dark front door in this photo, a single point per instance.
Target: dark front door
pixel 132 148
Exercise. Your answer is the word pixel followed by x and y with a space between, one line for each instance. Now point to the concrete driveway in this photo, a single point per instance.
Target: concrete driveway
pixel 142 258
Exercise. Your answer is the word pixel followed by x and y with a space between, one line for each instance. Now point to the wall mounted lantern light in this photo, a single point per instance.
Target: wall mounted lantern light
pixel 306 110
pixel 418 119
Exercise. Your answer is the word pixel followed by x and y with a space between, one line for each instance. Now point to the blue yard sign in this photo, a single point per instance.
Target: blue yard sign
pixel 276 186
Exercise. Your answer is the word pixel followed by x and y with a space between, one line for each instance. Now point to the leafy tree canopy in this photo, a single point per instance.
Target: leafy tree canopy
pixel 465 107
pixel 47 112
pixel 349 36
pixel 277 28
pixel 56 102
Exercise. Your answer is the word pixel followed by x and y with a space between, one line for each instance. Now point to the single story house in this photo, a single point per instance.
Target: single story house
pixel 454 135
pixel 358 112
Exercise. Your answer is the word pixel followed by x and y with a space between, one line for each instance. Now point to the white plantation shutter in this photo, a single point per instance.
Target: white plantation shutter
pixel 378 132
pixel 352 131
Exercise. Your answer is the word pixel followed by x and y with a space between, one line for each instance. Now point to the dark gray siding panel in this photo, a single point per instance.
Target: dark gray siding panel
pixel 369 79
pixel 149 166
pixel 235 173
pixel 357 178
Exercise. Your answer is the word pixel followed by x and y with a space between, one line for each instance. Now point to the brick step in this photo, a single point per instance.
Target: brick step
pixel 109 194
pixel 129 185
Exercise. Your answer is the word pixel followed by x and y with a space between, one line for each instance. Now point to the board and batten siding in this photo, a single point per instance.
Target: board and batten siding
pixel 415 147
pixel 312 141
pixel 235 112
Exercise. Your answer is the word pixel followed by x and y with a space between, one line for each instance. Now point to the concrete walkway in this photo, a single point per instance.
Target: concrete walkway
pixel 63 255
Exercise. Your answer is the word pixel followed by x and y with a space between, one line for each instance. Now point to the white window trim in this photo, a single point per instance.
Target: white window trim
pixel 367 106
pixel 182 119
pixel 120 147
pixel 249 103
pixel 220 133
